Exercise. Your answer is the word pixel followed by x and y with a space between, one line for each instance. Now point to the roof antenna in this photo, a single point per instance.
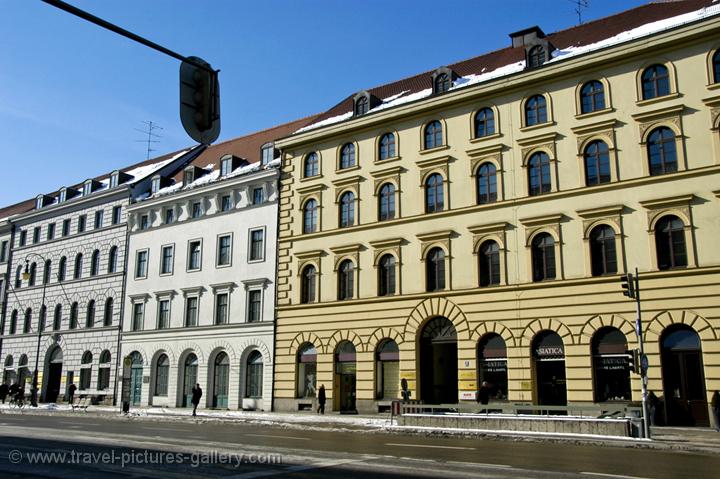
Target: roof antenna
pixel 150 132
pixel 579 5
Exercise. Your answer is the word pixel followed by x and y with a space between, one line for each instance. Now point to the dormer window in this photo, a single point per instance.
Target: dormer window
pixel 268 154
pixel 114 179
pixel 39 202
pixel 189 176
pixel 361 106
pixel 42 201
pixel 89 186
pixel 442 80
pixel 363 102
pixel 63 195
pixel 155 184
pixel 536 56
pixel 225 166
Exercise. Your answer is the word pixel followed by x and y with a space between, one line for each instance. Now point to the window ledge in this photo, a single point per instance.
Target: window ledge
pixel 310 178
pixel 538 126
pixel 713 86
pixel 481 139
pixel 345 170
pixel 652 101
pixel 388 160
pixel 434 150
pixel 591 114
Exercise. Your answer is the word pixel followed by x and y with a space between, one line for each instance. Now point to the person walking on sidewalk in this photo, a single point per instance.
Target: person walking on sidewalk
pixel 716 409
pixel 321 399
pixel 196 395
pixel 4 390
pixel 71 392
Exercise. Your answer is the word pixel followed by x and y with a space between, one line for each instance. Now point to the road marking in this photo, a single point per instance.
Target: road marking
pixel 292 469
pixel 618 476
pixel 430 446
pixel 481 464
pixel 165 429
pixel 279 437
pixel 80 423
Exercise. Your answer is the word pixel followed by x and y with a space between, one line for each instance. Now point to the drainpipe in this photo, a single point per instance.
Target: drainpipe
pixel 122 302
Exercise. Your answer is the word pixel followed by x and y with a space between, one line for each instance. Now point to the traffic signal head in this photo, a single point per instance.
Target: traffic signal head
pixel 633 363
pixel 627 284
pixel 200 100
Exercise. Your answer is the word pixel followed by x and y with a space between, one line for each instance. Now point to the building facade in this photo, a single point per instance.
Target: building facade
pixel 66 282
pixel 464 231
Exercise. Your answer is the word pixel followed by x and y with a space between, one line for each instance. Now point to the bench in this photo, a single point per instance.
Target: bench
pixel 81 403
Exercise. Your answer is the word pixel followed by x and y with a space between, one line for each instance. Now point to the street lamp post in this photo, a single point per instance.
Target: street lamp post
pixel 40 327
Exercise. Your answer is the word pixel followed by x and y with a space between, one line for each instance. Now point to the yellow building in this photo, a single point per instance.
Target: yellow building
pixel 464 230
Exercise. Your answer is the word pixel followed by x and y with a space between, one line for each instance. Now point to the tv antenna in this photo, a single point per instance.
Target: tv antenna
pixel 149 130
pixel 579 6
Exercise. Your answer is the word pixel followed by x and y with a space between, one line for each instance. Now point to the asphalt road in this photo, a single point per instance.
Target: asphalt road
pixel 108 447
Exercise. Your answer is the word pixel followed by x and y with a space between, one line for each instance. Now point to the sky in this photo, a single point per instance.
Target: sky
pixel 73 94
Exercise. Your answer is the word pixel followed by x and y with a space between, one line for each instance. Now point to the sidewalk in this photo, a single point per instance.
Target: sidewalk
pixel 704 440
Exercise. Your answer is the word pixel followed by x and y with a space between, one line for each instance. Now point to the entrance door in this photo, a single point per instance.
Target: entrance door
pixel 189 379
pixel 136 378
pixel 683 380
pixel 345 377
pixel 438 362
pixel 220 384
pixel 53 382
pixel 549 357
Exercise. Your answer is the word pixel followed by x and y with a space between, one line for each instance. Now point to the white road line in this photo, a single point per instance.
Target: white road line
pixel 430 446
pixel 616 476
pixel 292 469
pixel 279 437
pixel 481 464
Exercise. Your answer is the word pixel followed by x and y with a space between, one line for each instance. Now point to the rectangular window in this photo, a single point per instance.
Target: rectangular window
pixel 23 237
pixel 51 231
pixel 225 166
pixel 221 308
pixel 164 314
pixel 87 189
pixel 114 180
pixel 268 154
pixel 254 302
pixel 167 260
pixel 85 377
pixel 138 310
pixel 257 245
pixel 117 211
pixel 141 263
pixel 225 204
pixel 99 219
pixel 196 210
pixel 144 222
pixel 169 216
pixel 82 219
pixel 155 185
pixel 224 250
pixel 65 227
pixel 258 196
pixel 191 311
pixel 194 255
pixel 3 251
pixel 103 378
pixel 36 234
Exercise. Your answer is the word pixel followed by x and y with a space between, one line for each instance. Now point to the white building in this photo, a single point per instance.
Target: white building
pixel 200 299
pixel 67 312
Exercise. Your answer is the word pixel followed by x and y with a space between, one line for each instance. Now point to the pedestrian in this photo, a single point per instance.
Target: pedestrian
pixel 196 395
pixel 4 390
pixel 321 399
pixel 12 391
pixel 484 393
pixel 652 404
pixel 71 392
pixel 716 409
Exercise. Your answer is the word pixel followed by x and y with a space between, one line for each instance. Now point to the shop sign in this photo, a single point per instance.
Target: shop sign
pixel 549 352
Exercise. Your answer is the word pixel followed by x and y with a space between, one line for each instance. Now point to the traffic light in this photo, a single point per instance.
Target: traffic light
pixel 200 100
pixel 633 360
pixel 628 285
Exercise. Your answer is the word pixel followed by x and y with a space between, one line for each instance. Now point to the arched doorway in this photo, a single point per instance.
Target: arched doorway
pixel 438 362
pixel 611 376
pixel 387 384
pixel 345 368
pixel 492 368
pixel 549 357
pixel 9 375
pixel 220 381
pixel 683 378
pixel 136 378
pixel 54 375
pixel 189 379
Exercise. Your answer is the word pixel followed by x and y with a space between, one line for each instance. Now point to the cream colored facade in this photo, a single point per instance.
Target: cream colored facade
pixel 575 304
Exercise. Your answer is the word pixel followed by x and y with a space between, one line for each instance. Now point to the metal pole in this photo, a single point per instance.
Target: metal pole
pixel 643 371
pixel 34 391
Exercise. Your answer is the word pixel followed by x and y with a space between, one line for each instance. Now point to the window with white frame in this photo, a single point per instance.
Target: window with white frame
pixel 169 216
pixel 141 264
pixel 144 222
pixel 191 311
pixel 221 308
pixel 254 313
pixel 257 245
pixel 197 209
pixel 225 203
pixel 258 196
pixel 117 211
pixel 224 250
pixel 194 255
pixel 99 219
pixel 163 314
pixel 268 154
pixel 167 260
pixel 225 166
pixel 138 316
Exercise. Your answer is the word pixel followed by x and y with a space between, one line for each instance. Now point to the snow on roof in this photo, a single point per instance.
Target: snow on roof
pixel 143 171
pixel 559 54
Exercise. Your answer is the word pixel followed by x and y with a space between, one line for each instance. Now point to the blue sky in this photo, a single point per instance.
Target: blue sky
pixel 72 94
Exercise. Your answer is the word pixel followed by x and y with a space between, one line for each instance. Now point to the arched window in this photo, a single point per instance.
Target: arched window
pixel 113 259
pixel 435 270
pixel 78 266
pixel 347 156
pixel 13 321
pixel 662 153
pixel 388 370
pixel 597 163
pixel 434 193
pixel 254 376
pixel 18 277
pixel 108 312
pixel 386 275
pixel 95 263
pixel 312 165
pixel 27 322
pixel 543 257
pixel 489 257
pixel 592 97
pixel 610 365
pixel 484 123
pixel 162 373
pixel 387 147
pixel 361 105
pixel 386 202
pixel 57 317
pixel 486 183
pixel 85 370
pixel 347 209
pixel 603 256
pixel 310 216
pixel 433 135
pixel 536 56
pixel 670 243
pixel 62 266
pixel 90 317
pixel 74 316
pixel 308 284
pixel 104 371
pixel 539 179
pixel 492 367
pixel 42 318
pixel 442 83
pixel 47 271
pixel 33 274
pixel 655 82
pixel 535 110
pixel 23 372
pixel 346 280
pixel 716 67
pixel 221 380
pixel 306 371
